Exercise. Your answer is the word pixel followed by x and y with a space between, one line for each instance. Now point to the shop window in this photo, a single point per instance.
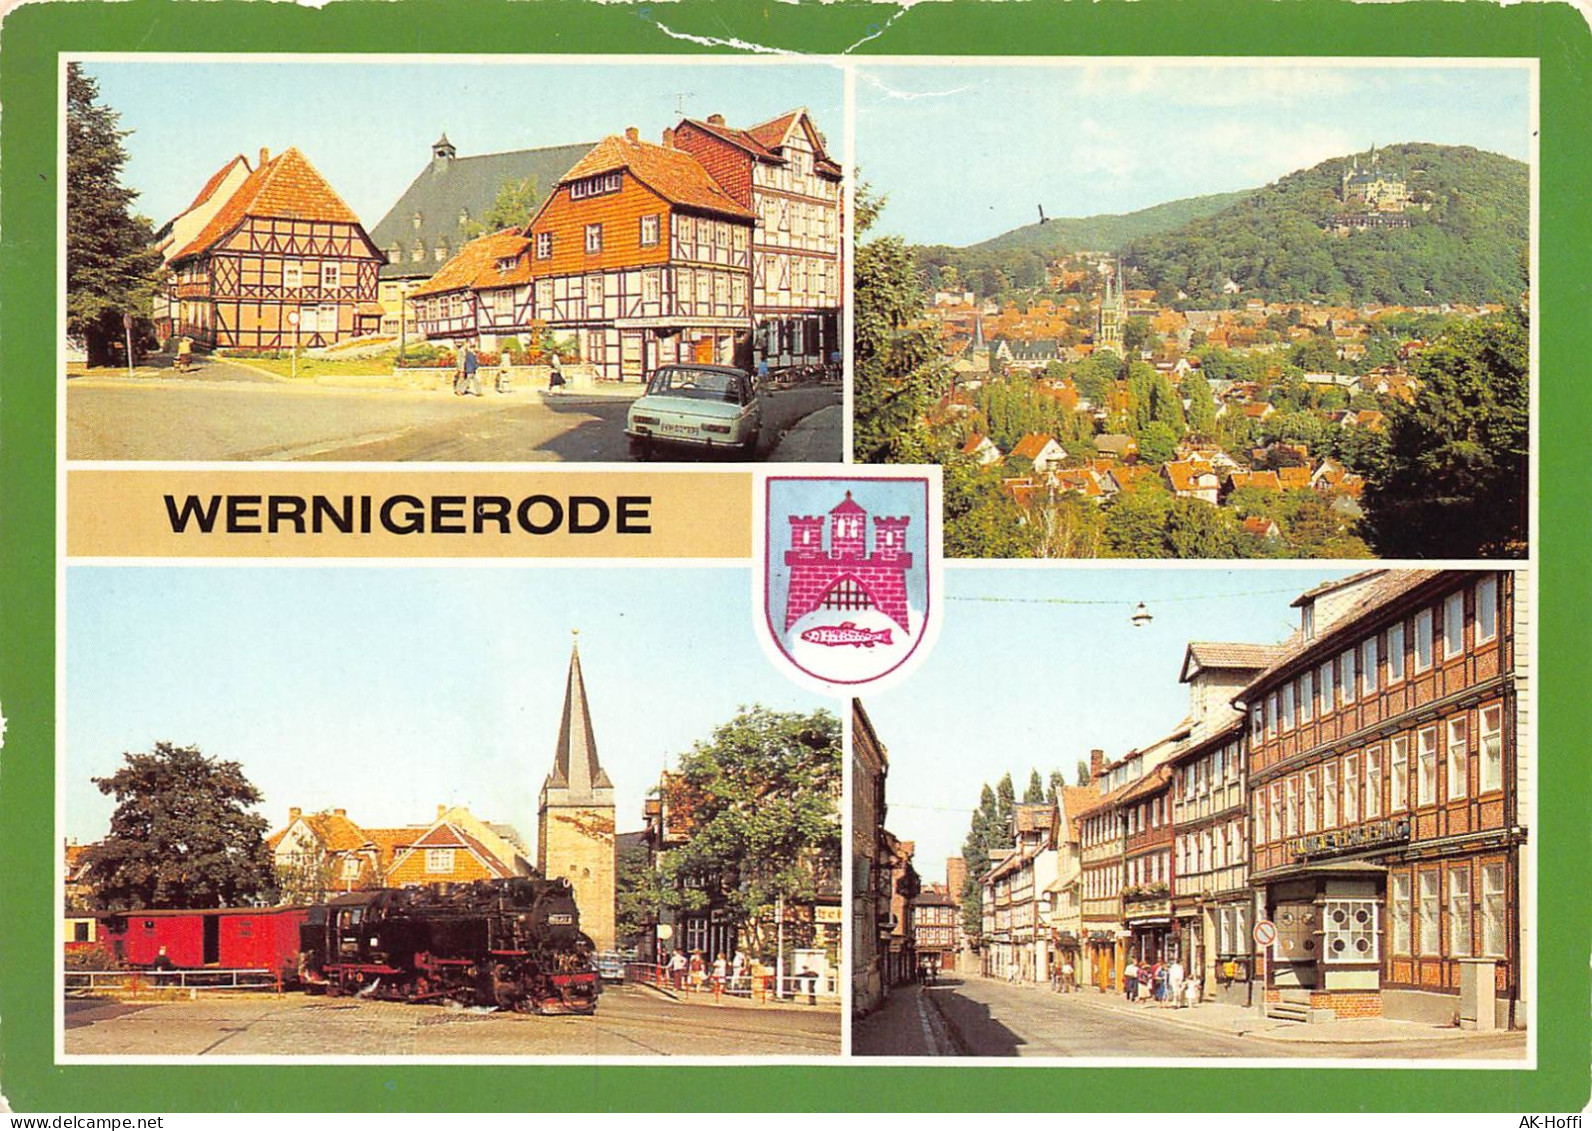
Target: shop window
pixel 1349 930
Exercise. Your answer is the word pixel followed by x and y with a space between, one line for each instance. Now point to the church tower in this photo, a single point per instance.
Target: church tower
pixel 575 816
pixel 1113 313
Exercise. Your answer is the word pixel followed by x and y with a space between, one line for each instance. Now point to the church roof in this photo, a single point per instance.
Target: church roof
pixel 575 765
pixel 449 187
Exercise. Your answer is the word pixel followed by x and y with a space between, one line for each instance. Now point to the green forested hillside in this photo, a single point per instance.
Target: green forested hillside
pixel 1468 246
pixel 1017 258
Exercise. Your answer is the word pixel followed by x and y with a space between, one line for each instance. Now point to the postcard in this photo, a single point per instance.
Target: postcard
pixel 663 558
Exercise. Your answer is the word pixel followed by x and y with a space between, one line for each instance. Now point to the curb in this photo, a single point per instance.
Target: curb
pixel 958 1041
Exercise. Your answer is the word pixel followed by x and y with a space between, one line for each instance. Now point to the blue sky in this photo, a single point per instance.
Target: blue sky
pixel 368 128
pixel 388 691
pixel 1048 668
pixel 968 152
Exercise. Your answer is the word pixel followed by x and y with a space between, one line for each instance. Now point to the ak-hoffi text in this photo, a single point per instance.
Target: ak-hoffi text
pixel 537 514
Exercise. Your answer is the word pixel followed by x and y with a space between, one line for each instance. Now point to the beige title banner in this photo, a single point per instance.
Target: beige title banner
pixel 400 514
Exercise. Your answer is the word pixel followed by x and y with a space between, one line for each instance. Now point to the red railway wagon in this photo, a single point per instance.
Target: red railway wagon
pixel 230 938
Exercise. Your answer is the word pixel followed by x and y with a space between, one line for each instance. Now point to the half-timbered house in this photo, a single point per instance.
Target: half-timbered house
pixel 281 262
pixel 645 259
pixel 781 171
pixel 1384 795
pixel 178 232
pixel 482 293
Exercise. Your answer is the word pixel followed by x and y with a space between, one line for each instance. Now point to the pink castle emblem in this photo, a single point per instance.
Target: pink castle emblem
pixel 847 577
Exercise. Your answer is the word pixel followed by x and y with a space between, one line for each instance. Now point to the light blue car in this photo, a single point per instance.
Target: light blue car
pixel 702 407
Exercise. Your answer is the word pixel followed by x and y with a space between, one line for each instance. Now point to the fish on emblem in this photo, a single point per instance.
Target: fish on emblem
pixel 835 635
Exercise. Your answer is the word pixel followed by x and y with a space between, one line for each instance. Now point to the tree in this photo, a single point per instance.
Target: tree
pixel 112 266
pixel 1005 808
pixel 637 895
pixel 1137 335
pixel 761 798
pixel 1056 784
pixel 1201 406
pixel 1157 442
pixel 513 207
pixel 1035 793
pixel 1082 772
pixel 982 835
pixel 181 835
pixel 1453 480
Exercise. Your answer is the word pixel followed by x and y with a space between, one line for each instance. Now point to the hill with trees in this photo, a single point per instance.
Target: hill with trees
pixel 1468 224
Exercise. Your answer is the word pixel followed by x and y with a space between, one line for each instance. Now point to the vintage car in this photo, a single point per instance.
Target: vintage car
pixel 705 407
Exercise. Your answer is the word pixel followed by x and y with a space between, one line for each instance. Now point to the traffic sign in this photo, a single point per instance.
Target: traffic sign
pixel 1265 933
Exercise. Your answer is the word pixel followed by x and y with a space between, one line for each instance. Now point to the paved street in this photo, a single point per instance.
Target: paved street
pixel 231 413
pixel 983 1017
pixel 629 1021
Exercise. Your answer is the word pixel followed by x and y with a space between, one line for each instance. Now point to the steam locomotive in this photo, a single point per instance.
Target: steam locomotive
pixel 512 944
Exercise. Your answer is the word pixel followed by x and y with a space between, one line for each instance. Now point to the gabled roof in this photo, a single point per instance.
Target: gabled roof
pixel 284 187
pixel 445 834
pixel 447 188
pixel 1032 816
pixel 476 265
pixel 1031 445
pixel 671 173
pixel 1208 654
pixel 1152 782
pixel 765 140
pixel 214 183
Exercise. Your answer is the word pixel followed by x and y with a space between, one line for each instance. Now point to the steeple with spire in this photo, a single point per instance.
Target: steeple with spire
pixel 575 814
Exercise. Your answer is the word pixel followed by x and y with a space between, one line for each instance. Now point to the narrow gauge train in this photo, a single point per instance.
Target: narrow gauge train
pixel 515 944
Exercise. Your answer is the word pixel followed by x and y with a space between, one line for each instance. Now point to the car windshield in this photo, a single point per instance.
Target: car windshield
pixel 699 384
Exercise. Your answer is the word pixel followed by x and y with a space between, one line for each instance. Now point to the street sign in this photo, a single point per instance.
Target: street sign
pixel 1265 933
pixel 127 321
pixel 665 931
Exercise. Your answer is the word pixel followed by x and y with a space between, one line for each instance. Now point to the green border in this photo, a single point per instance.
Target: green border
pixel 1554 33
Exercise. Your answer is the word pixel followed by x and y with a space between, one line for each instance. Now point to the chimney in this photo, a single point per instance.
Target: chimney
pixel 632 135
pixel 668 139
pixel 715 119
pixel 441 809
pixel 294 814
pixel 339 812
pixel 265 155
pixel 1097 762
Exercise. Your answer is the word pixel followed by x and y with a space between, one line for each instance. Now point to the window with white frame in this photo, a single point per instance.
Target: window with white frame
pixel 331 274
pixel 439 860
pixel 1487 609
pixel 1398 903
pixel 350 867
pixel 1257 720
pixel 649 230
pixel 1492 748
pixel 1399 771
pixel 1426 766
pixel 738 293
pixel 1218 847
pixel 1324 684
pixel 1494 911
pixel 1459 911
pixel 1312 788
pixel 1329 796
pixel 1454 624
pixel 1458 758
pixel 1275 827
pixel 1423 640
pixel 594 238
pixel 1349 930
pixel 594 295
pixel 1351 790
pixel 1429 912
pixel 651 285
pixel 1368 666
pixel 1271 714
pixel 544 245
pixel 1291 810
pixel 1307 696
pixel 1286 695
pixel 1395 652
pixel 292 273
pixel 1346 685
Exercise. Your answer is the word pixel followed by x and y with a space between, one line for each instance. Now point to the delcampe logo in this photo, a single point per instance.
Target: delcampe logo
pixel 849 573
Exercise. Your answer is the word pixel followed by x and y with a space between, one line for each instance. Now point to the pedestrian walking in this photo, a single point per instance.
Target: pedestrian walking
pixel 1158 984
pixel 471 366
pixel 505 373
pixel 555 380
pixel 721 973
pixel 677 969
pixel 1146 972
pixel 1068 978
pixel 1130 981
pixel 738 971
pixel 1174 983
pixel 696 972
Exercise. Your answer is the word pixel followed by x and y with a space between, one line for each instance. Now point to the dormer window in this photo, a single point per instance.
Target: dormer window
pixel 1307 620
pixel 506 264
pixel 600 185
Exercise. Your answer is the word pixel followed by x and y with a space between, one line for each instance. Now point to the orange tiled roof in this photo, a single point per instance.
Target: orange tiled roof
pixel 1032 444
pixel 286 187
pixel 772 133
pixel 1265 480
pixel 672 174
pixel 475 265
pixel 1293 477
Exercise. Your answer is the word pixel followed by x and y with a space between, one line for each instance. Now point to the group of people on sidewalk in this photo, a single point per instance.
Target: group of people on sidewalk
pixel 467 378
pixel 720 976
pixel 1165 984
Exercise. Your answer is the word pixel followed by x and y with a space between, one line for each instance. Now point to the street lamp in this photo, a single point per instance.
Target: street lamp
pixel 1141 616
